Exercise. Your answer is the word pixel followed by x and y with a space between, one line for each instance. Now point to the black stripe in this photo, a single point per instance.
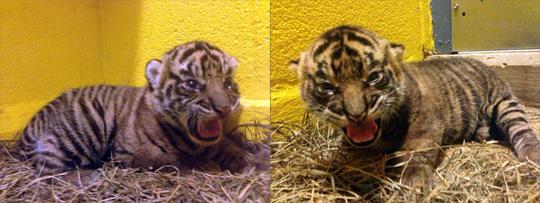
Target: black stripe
pixel 483 82
pixel 88 141
pixel 188 53
pixel 172 131
pixel 519 134
pixel 320 74
pixel 470 82
pixel 156 144
pixel 512 104
pixel 511 111
pixel 213 57
pixel 174 53
pixel 337 53
pixel 168 90
pixel 370 56
pixel 374 64
pixel 321 49
pixel 337 70
pixel 344 28
pixel 459 92
pixel 186 72
pixel 335 36
pixel 212 47
pixel 75 160
pixel 508 123
pixel 495 109
pixel 112 134
pixel 65 162
pixel 75 142
pixel 98 132
pixel 174 76
pixel 393 45
pixel 98 108
pixel 335 108
pixel 106 156
pixel 321 99
pixel 160 98
pixel 361 40
pixel 152 141
pixel 204 58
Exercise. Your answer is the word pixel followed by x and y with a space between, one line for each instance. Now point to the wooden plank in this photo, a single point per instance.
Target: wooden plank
pixel 524 81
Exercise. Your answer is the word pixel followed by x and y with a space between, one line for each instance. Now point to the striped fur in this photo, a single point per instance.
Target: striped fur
pixel 145 127
pixel 350 76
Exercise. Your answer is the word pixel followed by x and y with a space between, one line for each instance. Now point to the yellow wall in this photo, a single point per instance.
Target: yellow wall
pixel 45 48
pixel 49 46
pixel 296 24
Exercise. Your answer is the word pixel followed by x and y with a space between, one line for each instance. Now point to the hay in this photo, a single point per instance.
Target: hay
pixel 18 183
pixel 310 164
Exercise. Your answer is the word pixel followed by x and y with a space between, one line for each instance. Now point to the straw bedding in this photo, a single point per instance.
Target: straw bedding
pixel 19 183
pixel 309 163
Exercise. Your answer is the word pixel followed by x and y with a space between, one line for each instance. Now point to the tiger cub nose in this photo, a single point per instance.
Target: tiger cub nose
pixel 356 117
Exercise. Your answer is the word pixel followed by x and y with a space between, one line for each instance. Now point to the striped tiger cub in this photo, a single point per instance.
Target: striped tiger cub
pixel 358 81
pixel 177 119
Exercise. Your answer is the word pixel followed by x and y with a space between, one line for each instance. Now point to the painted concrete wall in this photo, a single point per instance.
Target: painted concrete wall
pixel 47 47
pixel 296 24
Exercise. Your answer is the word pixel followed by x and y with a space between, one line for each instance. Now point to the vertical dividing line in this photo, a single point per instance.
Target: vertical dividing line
pixel 426 21
pixel 270 72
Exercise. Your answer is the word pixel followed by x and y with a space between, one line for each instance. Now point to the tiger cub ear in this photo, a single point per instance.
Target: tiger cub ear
pixel 232 63
pixel 294 65
pixel 395 53
pixel 153 69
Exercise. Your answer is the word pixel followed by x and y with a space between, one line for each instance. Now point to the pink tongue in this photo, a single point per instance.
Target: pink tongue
pixel 362 133
pixel 209 129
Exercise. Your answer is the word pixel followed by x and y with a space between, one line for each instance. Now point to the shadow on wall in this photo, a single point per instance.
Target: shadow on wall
pixel 47 47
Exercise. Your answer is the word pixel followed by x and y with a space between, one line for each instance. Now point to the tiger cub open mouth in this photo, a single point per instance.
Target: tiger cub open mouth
pixel 365 133
pixel 208 129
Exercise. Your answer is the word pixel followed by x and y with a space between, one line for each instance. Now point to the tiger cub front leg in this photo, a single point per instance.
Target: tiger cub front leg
pixel 230 156
pixel 419 169
pixel 422 156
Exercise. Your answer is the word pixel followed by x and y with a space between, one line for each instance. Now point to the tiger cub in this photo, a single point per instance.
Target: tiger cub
pixel 177 119
pixel 358 81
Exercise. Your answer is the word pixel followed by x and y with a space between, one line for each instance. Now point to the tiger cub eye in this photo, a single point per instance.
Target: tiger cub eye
pixel 326 89
pixel 192 85
pixel 377 79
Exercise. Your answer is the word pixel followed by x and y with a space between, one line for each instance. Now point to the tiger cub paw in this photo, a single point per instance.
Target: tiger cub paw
pixel 208 166
pixel 234 160
pixel 261 160
pixel 258 155
pixel 531 153
pixel 82 177
pixel 419 177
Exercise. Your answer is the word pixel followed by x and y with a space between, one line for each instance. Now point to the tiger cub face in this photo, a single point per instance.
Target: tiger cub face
pixel 351 78
pixel 193 87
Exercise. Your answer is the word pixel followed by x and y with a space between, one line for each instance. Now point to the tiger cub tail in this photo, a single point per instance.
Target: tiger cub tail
pixel 511 119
